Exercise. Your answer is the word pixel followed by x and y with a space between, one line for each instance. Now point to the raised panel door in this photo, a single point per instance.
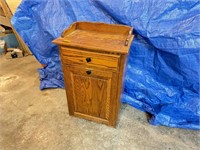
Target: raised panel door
pixel 89 93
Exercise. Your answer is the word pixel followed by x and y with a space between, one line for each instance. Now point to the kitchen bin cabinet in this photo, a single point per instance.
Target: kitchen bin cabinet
pixel 93 57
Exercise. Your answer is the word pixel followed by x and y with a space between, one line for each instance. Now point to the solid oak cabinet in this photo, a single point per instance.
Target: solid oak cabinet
pixel 93 57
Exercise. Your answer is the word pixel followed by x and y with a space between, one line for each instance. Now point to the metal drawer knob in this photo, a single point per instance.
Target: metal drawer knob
pixel 88 71
pixel 88 59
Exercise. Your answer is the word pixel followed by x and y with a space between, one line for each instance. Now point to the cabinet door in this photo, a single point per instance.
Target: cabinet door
pixel 90 93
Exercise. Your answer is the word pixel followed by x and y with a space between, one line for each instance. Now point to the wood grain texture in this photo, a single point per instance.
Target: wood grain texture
pixel 104 28
pixel 93 88
pixel 89 94
pixel 68 78
pixel 105 37
pixel 98 60
pixel 118 87
pixel 91 97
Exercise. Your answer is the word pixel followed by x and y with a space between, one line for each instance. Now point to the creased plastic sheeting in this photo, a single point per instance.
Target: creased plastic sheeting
pixel 162 76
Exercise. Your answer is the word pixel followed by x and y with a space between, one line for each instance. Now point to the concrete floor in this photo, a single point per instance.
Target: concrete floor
pixel 31 119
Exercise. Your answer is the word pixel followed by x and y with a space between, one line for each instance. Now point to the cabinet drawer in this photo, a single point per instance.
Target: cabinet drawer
pixel 72 56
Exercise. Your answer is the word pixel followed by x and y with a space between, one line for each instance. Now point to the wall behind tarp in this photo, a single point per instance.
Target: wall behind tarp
pixel 162 76
pixel 13 4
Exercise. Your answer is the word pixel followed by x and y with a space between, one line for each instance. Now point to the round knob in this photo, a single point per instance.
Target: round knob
pixel 88 71
pixel 88 59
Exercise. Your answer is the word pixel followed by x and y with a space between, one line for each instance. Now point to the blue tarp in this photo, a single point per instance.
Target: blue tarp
pixel 162 76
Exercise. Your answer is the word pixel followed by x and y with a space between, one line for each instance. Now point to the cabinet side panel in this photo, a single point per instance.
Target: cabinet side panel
pixel 114 102
pixel 69 84
pixel 117 87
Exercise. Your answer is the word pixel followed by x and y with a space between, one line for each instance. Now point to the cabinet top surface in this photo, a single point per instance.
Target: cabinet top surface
pixel 97 37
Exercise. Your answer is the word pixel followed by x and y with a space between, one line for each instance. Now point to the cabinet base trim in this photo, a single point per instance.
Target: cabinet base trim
pixel 91 118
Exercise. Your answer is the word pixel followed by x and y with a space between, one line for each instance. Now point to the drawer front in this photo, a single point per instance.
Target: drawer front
pixel 90 59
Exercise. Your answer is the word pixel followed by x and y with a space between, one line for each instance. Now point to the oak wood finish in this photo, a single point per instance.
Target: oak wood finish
pixel 93 57
pixel 112 41
pixel 98 60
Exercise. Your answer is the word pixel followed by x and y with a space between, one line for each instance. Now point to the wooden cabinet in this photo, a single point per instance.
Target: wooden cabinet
pixel 93 69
